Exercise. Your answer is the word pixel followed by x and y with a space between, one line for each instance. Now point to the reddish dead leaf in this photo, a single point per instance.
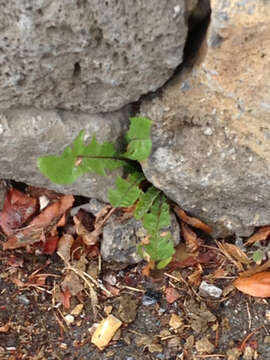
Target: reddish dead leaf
pixel 44 221
pixel 193 242
pixel 65 298
pixel 18 208
pixel 50 245
pixel 53 213
pixel 260 235
pixel 171 295
pixel 198 224
pixel 256 285
pixel 64 246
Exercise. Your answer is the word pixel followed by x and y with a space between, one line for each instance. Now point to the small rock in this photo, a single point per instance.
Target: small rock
pixel 69 319
pixel 267 314
pixel 267 339
pixel 94 206
pixel 211 290
pixel 127 308
pixel 121 237
pixel 151 297
pixel 24 300
pixel 204 346
pixel 171 295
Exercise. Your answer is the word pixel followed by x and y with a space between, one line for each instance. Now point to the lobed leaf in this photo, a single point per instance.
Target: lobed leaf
pixel 127 191
pixel 145 202
pixel 139 139
pixel 98 158
pixel 160 246
pixel 95 157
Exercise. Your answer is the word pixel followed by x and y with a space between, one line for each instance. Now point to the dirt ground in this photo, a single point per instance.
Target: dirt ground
pixel 164 316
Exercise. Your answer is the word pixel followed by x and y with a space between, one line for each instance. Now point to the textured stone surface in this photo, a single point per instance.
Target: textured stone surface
pixel 27 134
pixel 211 131
pixel 3 190
pixel 87 54
pixel 120 238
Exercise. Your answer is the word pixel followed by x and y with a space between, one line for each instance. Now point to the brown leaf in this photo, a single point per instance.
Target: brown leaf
pixel 64 246
pixel 45 220
pixel 191 220
pixel 91 238
pixel 234 254
pixel 256 285
pixel 18 208
pixel 86 236
pixel 261 234
pixel 193 242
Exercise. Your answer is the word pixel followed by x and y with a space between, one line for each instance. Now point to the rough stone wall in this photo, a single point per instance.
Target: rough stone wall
pixel 212 123
pixel 87 55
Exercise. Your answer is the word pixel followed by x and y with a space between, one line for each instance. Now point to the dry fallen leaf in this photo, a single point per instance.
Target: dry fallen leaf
pixel 86 235
pixel 261 234
pixel 64 246
pixel 193 242
pixel 191 220
pixel 18 208
pixel 47 219
pixel 256 285
pixel 234 254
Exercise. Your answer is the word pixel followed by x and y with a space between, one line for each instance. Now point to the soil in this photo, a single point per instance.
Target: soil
pixel 163 317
